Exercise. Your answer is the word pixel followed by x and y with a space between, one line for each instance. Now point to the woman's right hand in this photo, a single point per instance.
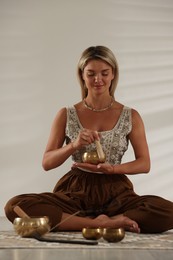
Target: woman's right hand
pixel 85 137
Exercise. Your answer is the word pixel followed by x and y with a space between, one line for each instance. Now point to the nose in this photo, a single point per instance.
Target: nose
pixel 97 78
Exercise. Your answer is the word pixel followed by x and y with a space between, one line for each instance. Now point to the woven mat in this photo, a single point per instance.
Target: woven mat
pixel 9 239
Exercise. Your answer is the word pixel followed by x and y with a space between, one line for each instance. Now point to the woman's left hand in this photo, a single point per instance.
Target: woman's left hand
pixel 101 167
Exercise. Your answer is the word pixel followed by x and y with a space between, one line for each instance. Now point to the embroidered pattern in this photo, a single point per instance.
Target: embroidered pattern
pixel 114 142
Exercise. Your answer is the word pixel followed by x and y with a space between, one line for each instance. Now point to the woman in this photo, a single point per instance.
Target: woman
pixel 101 194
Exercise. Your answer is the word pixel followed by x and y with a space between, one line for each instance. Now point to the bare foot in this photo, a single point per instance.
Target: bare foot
pixel 119 221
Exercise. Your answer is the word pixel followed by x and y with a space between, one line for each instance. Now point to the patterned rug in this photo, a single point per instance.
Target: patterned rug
pixel 9 239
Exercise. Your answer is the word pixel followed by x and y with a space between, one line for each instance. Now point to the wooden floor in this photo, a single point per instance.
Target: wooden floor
pixel 86 254
pixel 78 254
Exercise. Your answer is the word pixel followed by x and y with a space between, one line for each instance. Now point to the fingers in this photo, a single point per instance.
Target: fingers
pixel 106 168
pixel 85 166
pixel 88 136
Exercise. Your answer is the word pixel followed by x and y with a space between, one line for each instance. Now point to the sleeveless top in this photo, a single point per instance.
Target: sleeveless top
pixel 114 142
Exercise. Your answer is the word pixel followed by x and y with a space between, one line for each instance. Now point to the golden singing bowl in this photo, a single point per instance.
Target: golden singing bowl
pixel 113 234
pixel 29 227
pixel 92 157
pixel 92 233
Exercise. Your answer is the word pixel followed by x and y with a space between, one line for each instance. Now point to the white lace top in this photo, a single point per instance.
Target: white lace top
pixel 114 142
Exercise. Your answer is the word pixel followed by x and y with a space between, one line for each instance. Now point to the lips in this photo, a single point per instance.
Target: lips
pixel 98 86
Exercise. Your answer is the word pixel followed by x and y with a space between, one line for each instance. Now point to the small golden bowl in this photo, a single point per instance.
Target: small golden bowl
pixel 28 227
pixel 113 234
pixel 92 233
pixel 92 157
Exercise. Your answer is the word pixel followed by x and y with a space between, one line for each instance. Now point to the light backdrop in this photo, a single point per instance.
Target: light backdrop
pixel 40 44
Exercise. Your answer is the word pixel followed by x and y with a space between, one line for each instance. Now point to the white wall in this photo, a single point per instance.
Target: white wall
pixel 40 44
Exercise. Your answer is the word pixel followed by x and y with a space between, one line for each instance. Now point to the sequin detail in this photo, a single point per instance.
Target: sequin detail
pixel 114 142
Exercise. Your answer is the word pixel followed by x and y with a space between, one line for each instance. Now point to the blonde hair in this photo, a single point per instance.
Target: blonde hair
pixel 102 53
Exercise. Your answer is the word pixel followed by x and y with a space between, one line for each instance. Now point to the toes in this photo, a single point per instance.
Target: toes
pixel 133 228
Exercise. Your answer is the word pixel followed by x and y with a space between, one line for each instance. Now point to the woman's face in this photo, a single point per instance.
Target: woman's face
pixel 97 75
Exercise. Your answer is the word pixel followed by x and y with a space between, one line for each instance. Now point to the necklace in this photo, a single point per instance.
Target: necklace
pixel 98 110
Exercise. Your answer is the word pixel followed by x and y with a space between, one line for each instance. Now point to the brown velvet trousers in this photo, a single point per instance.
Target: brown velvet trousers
pixel 94 194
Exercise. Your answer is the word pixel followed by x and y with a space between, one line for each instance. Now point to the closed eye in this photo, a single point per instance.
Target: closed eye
pixel 92 73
